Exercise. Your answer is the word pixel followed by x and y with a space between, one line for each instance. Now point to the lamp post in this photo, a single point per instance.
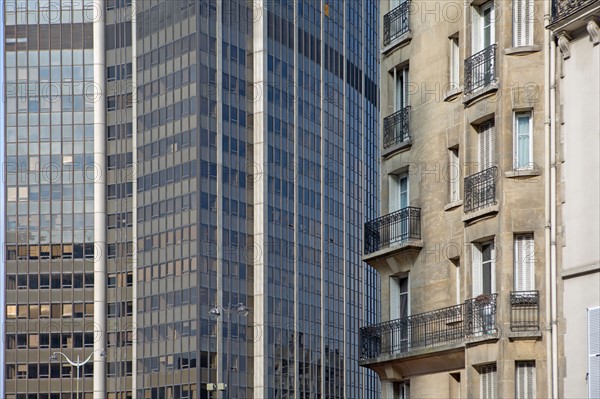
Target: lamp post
pixel 78 363
pixel 215 313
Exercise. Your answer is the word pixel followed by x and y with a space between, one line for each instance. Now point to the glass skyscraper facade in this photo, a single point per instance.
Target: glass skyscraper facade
pixel 168 156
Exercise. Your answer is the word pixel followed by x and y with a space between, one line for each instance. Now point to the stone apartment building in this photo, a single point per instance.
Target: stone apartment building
pixel 460 244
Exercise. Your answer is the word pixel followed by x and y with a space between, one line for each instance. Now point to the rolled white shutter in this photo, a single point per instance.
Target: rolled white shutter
pixel 476 26
pixel 517 22
pixel 518 266
pixel 487 145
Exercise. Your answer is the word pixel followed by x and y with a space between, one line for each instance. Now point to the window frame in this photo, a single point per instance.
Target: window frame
pixel 453 177
pixel 477 268
pixel 454 62
pixel 517 165
pixel 524 371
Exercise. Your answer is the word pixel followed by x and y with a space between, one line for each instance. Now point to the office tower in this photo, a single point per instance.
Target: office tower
pixel 576 183
pixel 461 241
pixel 190 155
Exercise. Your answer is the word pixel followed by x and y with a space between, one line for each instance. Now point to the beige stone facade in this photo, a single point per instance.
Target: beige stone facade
pixel 460 244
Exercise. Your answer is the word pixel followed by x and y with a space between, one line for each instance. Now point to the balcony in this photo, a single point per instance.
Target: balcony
pixel 395 128
pixel 480 70
pixel 392 229
pixel 454 324
pixel 524 311
pixel 480 190
pixel 563 8
pixel 395 23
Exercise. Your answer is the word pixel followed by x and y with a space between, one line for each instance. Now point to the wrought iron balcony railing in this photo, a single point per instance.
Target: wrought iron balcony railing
pixel 474 317
pixel 564 8
pixel 480 69
pixel 395 23
pixel 480 189
pixel 395 128
pixel 524 310
pixel 393 228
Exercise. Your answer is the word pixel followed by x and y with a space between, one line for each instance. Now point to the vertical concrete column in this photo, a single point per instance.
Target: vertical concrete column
pixel 219 250
pixel 99 199
pixel 134 259
pixel 259 254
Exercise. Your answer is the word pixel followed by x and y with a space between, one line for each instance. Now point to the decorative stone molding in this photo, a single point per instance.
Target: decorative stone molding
pixel 594 31
pixel 564 41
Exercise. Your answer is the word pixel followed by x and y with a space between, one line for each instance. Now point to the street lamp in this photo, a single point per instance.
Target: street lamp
pixel 241 310
pixel 78 363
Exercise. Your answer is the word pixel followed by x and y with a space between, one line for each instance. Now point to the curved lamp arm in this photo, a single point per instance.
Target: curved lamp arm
pixel 80 363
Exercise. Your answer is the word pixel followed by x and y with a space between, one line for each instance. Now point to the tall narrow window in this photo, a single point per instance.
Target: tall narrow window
pixel 484 269
pixel 525 380
pixel 454 175
pixel 399 309
pixel 483 27
pixel 487 145
pixel 487 377
pixel 522 142
pixel 454 63
pixel 524 262
pixel 398 193
pixel 401 88
pixel 523 22
pixel 594 352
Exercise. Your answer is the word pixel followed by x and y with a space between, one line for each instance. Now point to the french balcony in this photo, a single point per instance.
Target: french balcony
pixel 563 8
pixel 395 128
pixel 480 70
pixel 524 311
pixel 440 328
pixel 395 23
pixel 394 229
pixel 480 190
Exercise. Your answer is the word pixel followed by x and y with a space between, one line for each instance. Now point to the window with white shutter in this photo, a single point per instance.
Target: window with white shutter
pixel 487 145
pixel 523 22
pixel 525 380
pixel 487 382
pixel 594 352
pixel 524 262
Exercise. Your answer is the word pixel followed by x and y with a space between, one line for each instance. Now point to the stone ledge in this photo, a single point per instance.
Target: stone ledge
pixel 522 173
pixel 489 89
pixel 399 147
pixel 524 335
pixel 452 94
pixel 474 216
pixel 399 41
pixel 388 252
pixel 523 50
pixel 580 270
pixel 452 205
